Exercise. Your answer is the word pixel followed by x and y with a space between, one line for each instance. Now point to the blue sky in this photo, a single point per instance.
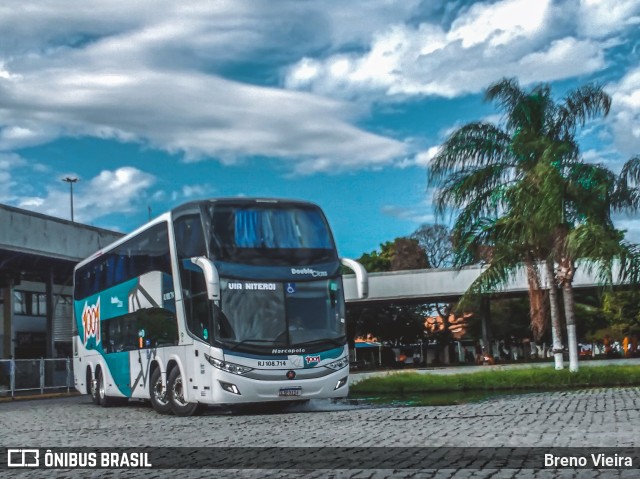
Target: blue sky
pixel 154 103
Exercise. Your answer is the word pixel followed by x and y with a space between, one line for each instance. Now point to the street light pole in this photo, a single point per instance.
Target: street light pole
pixel 71 181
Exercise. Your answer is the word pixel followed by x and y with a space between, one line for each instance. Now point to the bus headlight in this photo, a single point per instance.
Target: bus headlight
pixel 339 364
pixel 228 367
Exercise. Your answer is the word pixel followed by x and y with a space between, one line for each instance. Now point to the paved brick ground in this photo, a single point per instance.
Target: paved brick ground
pixel 596 418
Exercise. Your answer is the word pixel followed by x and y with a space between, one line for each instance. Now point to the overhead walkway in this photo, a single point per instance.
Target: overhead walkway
pixel 26 233
pixel 440 285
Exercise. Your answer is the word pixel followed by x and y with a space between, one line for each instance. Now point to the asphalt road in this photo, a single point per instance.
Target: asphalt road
pixel 592 418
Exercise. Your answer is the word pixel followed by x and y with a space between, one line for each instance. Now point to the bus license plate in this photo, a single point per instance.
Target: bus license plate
pixel 290 391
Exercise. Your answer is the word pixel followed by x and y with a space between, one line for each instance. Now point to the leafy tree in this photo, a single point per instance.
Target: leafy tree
pixel 521 189
pixel 622 310
pixel 407 254
pixel 435 240
pixel 377 261
pixel 396 255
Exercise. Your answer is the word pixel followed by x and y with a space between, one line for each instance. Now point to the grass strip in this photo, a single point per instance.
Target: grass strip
pixel 495 380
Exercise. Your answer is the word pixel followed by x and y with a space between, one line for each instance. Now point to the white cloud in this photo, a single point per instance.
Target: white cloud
pixel 119 191
pixel 412 214
pixel 565 58
pixel 421 159
pixel 630 224
pixel 197 191
pixel 193 113
pixel 531 40
pixel 146 71
pixel 142 72
pixel 499 23
pixel 625 112
pixel 599 18
pixel 9 163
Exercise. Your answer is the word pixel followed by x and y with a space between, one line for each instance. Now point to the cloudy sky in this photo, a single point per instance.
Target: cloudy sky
pixel 154 103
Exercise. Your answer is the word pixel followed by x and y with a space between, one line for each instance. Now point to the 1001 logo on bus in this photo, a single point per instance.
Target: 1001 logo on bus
pixel 91 321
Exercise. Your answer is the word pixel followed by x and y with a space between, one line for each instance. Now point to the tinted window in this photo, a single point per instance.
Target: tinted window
pixel 146 328
pixel 189 236
pixel 190 243
pixel 149 251
pixel 273 234
pixel 197 306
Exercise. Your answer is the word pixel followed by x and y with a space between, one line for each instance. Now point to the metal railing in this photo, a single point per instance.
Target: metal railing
pixel 35 375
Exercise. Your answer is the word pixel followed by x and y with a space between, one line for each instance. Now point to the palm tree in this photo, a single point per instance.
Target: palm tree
pixel 517 245
pixel 592 194
pixel 519 188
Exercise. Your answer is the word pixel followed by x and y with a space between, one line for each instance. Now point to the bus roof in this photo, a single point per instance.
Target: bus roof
pixel 242 201
pixel 192 205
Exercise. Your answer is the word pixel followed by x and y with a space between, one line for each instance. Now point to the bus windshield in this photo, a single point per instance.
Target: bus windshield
pixel 270 234
pixel 281 315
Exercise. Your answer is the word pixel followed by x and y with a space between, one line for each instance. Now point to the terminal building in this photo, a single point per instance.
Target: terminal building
pixel 37 257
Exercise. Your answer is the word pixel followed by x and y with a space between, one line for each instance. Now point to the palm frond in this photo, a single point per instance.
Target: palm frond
pixel 626 194
pixel 598 247
pixel 482 186
pixel 580 105
pixel 475 145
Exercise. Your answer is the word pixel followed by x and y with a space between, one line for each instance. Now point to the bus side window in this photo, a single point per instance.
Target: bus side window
pixel 189 236
pixel 196 303
pixel 190 243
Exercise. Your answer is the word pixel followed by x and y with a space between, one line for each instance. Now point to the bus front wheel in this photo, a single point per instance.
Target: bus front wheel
pixel 158 393
pixel 175 393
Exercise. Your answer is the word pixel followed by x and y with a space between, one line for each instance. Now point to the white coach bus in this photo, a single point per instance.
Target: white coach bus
pixel 220 301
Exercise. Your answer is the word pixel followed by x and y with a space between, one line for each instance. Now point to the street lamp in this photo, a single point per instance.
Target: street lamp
pixel 71 181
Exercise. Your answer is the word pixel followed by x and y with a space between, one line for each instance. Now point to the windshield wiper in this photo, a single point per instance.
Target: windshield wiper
pixel 336 342
pixel 246 341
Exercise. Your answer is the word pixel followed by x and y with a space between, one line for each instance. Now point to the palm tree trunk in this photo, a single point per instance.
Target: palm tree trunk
pixel 556 328
pixel 566 271
pixel 570 314
pixel 537 300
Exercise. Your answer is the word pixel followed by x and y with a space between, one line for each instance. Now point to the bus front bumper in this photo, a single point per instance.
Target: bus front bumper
pixel 227 388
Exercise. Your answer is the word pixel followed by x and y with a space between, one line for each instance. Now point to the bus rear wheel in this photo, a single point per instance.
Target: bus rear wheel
pixel 158 394
pixel 92 388
pixel 175 393
pixel 103 399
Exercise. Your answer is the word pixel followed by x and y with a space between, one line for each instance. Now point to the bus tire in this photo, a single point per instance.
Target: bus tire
pixel 105 401
pixel 92 388
pixel 175 392
pixel 159 397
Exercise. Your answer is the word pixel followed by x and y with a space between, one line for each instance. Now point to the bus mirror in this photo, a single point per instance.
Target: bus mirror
pixel 211 276
pixel 362 278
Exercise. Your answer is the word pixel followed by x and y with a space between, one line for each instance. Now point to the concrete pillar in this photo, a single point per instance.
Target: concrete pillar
pixel 486 323
pixel 7 319
pixel 50 306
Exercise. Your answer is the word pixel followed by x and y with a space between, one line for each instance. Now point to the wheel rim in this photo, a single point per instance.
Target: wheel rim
pixel 101 386
pixel 92 388
pixel 160 393
pixel 178 395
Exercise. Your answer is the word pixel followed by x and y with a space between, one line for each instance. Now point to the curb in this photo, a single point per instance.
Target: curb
pixel 32 397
